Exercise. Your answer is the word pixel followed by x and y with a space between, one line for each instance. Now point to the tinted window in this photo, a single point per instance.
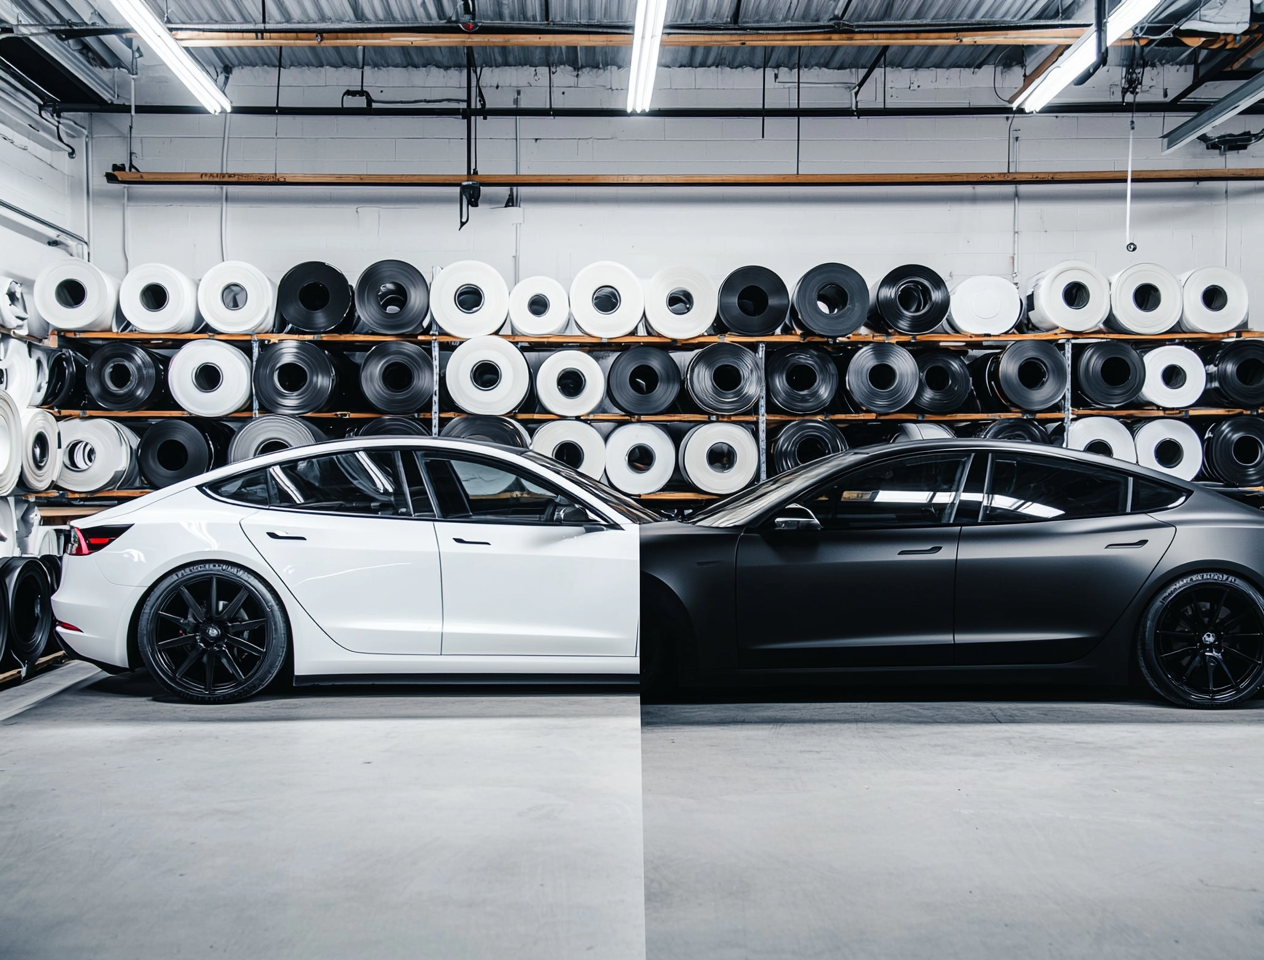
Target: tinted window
pixel 1149 495
pixel 364 483
pixel 478 490
pixel 250 488
pixel 912 492
pixel 418 492
pixel 1027 488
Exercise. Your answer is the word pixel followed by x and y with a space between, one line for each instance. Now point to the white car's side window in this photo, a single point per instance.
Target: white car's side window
pixel 479 490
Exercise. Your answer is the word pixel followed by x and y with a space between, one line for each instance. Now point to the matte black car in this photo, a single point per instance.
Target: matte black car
pixel 983 560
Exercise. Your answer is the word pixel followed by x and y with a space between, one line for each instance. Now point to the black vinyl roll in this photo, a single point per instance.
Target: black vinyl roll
pixel 882 377
pixel 1027 375
pixel 393 427
pixel 754 302
pixel 30 619
pixel 943 382
pixel 175 450
pixel 1109 374
pixel 911 299
pixel 1014 429
pixel 1235 372
pixel 52 566
pixel 397 377
pixel 802 441
pixel 124 376
pixel 643 381
pixel 723 378
pixel 316 298
pixel 67 380
pixel 500 430
pixel 296 377
pixel 801 379
pixel 831 300
pixel 1233 451
pixel 392 297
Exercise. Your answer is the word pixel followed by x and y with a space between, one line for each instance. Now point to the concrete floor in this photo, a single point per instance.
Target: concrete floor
pixel 953 829
pixel 335 823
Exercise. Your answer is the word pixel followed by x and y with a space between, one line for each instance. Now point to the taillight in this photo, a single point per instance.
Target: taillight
pixel 85 541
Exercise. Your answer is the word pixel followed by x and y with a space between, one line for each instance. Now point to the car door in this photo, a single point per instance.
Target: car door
pixel 872 587
pixel 357 549
pixel 526 571
pixel 1054 560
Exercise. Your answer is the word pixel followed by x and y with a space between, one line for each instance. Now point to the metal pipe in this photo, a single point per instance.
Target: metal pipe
pixel 46 224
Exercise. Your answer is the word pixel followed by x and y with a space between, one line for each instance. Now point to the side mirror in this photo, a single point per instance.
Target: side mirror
pixel 795 516
pixel 571 513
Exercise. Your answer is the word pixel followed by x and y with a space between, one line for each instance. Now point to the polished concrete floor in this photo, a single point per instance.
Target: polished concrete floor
pixel 336 823
pixel 928 829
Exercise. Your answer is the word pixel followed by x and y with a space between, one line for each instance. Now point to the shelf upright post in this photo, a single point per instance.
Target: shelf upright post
pixel 763 415
pixel 1066 396
pixel 434 397
pixel 254 359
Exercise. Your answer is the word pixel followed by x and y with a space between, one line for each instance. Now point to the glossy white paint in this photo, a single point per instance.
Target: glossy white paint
pixel 539 590
pixel 372 583
pixel 366 579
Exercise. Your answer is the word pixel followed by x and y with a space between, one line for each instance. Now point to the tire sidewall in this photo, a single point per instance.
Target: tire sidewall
pixel 275 611
pixel 1147 658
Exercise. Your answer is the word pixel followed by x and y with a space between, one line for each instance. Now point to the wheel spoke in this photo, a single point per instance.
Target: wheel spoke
pixel 232 666
pixel 1225 667
pixel 210 672
pixel 1214 616
pixel 1172 653
pixel 1211 673
pixel 1244 656
pixel 230 611
pixel 182 621
pixel 184 667
pixel 214 597
pixel 246 645
pixel 195 608
pixel 237 625
pixel 1189 671
pixel 176 642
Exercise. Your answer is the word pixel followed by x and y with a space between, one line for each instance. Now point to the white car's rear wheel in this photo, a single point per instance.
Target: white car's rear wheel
pixel 213 633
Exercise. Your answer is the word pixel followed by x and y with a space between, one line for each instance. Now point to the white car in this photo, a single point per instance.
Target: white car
pixel 365 559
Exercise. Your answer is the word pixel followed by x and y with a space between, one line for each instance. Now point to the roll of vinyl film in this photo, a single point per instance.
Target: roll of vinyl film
pixel 607 300
pixel 1109 374
pixel 643 381
pixel 1213 300
pixel 210 378
pixel 570 383
pixel 576 444
pixel 75 295
pixel 271 434
pixel 985 306
pixel 1104 436
pixel 1172 446
pixel 539 307
pixel 753 302
pixel 397 377
pixel 237 297
pixel 315 297
pixel 831 300
pixel 719 458
pixel 680 302
pixel 882 377
pixel 392 297
pixel 1233 451
pixel 1145 298
pixel 487 376
pixel 470 299
pixel 943 382
pixel 724 378
pixel 157 298
pixel 1072 295
pixel 803 441
pixel 912 299
pixel 1236 372
pixel 1175 377
pixel 801 378
pixel 502 430
pixel 640 458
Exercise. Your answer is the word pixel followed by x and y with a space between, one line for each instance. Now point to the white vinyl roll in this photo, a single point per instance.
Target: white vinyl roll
pixel 11 444
pixel 75 295
pixel 640 458
pixel 570 383
pixel 719 457
pixel 924 430
pixel 236 297
pixel 985 305
pixel 680 302
pixel 156 298
pixel 269 434
pixel 1174 377
pixel 1172 446
pixel 10 545
pixel 1144 298
pixel 210 378
pixel 539 307
pixel 607 299
pixel 574 443
pixel 41 449
pixel 1213 300
pixel 487 375
pixel 1071 295
pixel 20 373
pixel 1103 435
pixel 96 455
pixel 469 298
pixel 17 309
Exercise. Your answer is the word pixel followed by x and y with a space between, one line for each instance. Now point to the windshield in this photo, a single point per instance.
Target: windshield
pixel 623 505
pixel 743 507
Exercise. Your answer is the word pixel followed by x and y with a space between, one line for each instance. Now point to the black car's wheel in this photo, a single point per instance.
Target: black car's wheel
pixel 658 677
pixel 1202 641
pixel 213 633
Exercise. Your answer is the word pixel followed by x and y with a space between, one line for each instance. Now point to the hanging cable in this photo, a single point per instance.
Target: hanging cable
pixel 1133 74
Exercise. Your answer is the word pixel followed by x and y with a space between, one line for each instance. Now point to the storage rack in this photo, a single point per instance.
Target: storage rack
pixel 78 504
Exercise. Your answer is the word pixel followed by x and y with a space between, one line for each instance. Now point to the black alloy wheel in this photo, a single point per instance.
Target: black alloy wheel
pixel 1202 641
pixel 213 633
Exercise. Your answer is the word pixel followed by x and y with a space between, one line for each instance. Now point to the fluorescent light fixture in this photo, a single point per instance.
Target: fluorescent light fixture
pixel 1083 54
pixel 1218 112
pixel 155 36
pixel 650 16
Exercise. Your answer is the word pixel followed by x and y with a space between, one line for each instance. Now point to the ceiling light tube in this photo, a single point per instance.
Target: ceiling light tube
pixel 1083 54
pixel 646 38
pixel 1220 111
pixel 155 36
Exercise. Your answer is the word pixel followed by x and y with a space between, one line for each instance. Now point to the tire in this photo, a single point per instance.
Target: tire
pixel 658 673
pixel 213 659
pixel 1201 642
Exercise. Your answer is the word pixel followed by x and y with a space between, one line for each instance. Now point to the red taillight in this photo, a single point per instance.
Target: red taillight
pixel 63 625
pixel 83 542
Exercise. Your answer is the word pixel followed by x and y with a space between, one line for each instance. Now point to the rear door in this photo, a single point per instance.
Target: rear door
pixel 357 549
pixel 1055 559
pixel 526 572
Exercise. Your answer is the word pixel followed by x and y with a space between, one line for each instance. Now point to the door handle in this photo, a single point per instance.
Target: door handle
pixel 284 536
pixel 1127 546
pixel 472 543
pixel 928 550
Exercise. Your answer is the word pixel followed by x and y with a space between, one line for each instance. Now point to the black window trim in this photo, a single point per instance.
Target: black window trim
pixel 1043 455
